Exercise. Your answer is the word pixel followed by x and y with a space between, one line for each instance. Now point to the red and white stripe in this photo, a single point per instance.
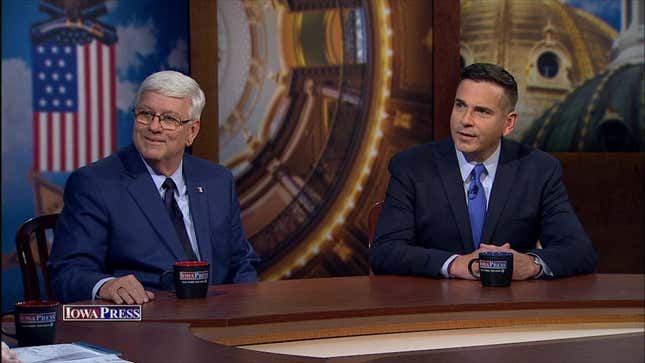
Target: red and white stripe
pixel 65 141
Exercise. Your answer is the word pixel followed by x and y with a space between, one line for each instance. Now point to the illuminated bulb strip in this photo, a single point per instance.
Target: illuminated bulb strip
pixel 374 138
pixel 377 132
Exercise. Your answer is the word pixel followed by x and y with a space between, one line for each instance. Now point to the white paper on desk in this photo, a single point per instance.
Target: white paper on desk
pixel 59 353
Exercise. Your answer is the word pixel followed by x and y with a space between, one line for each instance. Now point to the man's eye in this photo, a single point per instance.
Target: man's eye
pixel 168 118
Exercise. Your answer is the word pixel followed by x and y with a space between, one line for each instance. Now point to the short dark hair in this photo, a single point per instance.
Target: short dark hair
pixel 487 72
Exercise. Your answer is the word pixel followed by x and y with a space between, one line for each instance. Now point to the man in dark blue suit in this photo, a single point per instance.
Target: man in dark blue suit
pixel 449 200
pixel 129 217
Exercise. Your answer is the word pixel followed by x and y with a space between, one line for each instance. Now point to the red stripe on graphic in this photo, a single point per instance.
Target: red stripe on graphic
pixel 113 94
pixel 36 140
pixel 99 87
pixel 75 152
pixel 50 141
pixel 63 139
pixel 88 106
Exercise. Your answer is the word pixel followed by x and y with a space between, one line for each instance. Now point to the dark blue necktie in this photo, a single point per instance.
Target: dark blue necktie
pixel 177 218
pixel 477 204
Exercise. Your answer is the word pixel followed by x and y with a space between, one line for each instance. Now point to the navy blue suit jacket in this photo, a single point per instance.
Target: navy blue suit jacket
pixel 425 220
pixel 114 223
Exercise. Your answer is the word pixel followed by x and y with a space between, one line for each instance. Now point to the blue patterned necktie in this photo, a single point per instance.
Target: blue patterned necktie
pixel 477 204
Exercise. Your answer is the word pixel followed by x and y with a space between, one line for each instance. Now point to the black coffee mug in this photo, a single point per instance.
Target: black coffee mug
pixel 495 268
pixel 35 322
pixel 190 279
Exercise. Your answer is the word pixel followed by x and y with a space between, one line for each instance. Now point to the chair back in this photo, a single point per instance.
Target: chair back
pixel 371 222
pixel 35 229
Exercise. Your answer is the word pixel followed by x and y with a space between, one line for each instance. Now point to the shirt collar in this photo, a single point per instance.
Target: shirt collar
pixel 466 167
pixel 177 177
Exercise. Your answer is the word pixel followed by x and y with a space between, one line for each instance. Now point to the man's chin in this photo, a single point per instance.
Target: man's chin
pixel 147 148
pixel 465 147
pixel 151 154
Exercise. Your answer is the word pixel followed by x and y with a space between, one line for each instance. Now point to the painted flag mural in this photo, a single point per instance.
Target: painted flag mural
pixel 70 72
pixel 74 87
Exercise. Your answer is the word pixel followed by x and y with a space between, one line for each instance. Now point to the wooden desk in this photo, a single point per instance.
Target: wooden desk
pixel 332 307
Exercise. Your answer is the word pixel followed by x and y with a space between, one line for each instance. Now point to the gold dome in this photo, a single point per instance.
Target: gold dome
pixel 548 46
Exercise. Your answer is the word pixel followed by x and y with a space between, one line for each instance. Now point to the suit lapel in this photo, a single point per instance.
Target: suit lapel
pixel 198 201
pixel 502 187
pixel 143 191
pixel 448 168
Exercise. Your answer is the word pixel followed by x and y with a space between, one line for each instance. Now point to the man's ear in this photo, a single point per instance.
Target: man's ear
pixel 193 130
pixel 511 120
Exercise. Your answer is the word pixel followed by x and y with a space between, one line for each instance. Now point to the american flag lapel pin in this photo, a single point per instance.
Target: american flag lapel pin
pixel 200 190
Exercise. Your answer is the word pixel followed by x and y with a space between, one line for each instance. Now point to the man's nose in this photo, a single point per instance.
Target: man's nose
pixel 155 123
pixel 467 118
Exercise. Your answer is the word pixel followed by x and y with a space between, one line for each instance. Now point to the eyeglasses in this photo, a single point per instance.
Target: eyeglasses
pixel 167 121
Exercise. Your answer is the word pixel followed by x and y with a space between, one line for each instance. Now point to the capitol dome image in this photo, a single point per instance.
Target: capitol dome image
pixel 550 47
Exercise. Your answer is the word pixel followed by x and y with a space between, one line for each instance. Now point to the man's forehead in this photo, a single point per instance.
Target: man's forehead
pixel 152 98
pixel 480 93
pixel 161 94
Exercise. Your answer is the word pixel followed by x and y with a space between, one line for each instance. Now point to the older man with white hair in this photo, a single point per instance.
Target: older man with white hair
pixel 127 218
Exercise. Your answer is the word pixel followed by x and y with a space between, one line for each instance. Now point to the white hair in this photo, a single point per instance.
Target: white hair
pixel 178 85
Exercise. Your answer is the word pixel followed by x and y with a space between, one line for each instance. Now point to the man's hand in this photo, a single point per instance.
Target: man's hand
pixel 523 266
pixel 459 266
pixel 125 289
pixel 9 356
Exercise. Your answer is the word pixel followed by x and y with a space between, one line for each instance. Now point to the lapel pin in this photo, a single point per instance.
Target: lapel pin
pixel 200 190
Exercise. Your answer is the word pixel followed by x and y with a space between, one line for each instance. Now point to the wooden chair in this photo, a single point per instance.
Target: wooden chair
pixel 36 227
pixel 371 221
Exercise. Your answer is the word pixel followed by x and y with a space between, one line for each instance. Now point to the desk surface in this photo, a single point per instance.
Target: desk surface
pixel 165 332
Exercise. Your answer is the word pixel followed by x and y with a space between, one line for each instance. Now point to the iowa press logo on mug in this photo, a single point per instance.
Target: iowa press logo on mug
pixel 193 275
pixel 36 318
pixel 492 265
pixel 101 312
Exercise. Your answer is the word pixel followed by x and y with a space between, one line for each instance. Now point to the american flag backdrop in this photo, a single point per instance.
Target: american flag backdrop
pixel 74 103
